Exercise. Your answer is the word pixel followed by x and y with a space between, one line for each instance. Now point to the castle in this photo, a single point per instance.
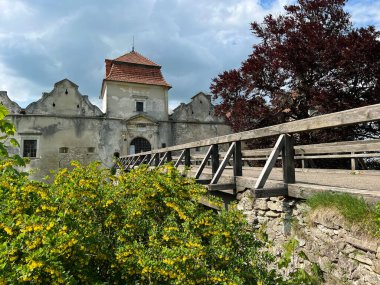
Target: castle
pixel 64 125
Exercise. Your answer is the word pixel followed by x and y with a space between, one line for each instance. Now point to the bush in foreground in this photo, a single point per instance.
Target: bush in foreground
pixel 142 227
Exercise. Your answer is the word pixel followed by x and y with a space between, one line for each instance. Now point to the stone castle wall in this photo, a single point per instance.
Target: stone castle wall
pixel 345 255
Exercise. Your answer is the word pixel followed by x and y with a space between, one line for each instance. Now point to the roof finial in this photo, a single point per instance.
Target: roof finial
pixel 133 44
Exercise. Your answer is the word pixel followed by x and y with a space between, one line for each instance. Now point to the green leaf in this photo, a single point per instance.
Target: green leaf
pixel 14 142
pixel 3 112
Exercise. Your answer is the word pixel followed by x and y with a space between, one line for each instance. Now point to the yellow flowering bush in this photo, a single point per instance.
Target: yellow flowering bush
pixel 143 227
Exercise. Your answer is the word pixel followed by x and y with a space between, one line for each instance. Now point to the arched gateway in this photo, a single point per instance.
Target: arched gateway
pixel 139 145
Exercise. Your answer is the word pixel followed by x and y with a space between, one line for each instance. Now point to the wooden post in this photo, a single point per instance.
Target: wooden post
pixel 169 156
pixel 288 160
pixel 238 162
pixel 215 158
pixel 354 162
pixel 157 159
pixel 187 157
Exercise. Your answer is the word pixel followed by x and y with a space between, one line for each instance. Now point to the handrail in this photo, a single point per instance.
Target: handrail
pixel 337 119
pixel 284 148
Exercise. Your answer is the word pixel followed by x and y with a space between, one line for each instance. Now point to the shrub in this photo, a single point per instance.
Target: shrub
pixel 142 227
pixel 355 210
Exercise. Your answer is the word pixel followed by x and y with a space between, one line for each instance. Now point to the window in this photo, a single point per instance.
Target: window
pixel 63 150
pixel 139 106
pixel 90 149
pixel 163 145
pixel 30 148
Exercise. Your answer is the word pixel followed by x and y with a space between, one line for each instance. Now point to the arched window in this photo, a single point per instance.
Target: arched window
pixel 140 145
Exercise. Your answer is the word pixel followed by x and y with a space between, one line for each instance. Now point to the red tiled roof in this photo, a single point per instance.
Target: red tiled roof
pixel 135 57
pixel 135 68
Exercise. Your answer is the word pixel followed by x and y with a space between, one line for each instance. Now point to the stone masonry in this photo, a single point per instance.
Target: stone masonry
pixel 345 255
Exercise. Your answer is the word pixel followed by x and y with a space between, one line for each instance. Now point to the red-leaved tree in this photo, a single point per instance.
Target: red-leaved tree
pixel 309 61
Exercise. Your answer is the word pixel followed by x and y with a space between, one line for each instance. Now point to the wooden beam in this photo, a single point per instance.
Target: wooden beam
pixel 222 166
pixel 203 181
pixel 288 168
pixel 162 159
pixel 215 158
pixel 203 163
pixel 219 187
pixel 338 119
pixel 305 191
pixel 152 159
pixel 238 161
pixel 270 163
pixel 135 162
pixel 187 157
pixel 182 156
pixel 269 192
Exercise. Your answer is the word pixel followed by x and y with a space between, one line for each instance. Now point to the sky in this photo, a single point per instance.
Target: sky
pixel 45 41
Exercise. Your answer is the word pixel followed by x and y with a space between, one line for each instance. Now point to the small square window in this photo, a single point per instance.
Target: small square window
pixel 90 149
pixel 139 106
pixel 30 148
pixel 63 150
pixel 163 145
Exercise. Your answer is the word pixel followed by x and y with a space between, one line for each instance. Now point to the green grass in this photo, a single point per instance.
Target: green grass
pixel 354 210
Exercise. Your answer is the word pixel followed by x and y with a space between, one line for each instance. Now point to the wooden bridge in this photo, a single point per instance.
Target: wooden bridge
pixel 226 173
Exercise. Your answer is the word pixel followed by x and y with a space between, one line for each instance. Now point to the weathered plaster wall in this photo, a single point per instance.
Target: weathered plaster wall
pixel 64 99
pixel 121 100
pixel 345 256
pixel 86 140
pixel 13 107
pixel 196 120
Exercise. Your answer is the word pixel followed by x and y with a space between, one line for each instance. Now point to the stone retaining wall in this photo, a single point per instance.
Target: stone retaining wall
pixel 345 255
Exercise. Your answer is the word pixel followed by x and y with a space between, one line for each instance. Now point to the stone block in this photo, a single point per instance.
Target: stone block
pixel 376 266
pixel 261 204
pixel 272 214
pixel 363 244
pixel 275 206
pixel 362 258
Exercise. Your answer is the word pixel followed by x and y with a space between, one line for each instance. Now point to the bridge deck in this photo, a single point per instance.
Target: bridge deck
pixel 309 181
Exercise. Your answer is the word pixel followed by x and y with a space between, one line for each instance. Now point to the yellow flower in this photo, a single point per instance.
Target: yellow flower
pixel 8 230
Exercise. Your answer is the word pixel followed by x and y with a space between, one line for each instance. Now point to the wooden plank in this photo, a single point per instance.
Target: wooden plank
pixel 288 168
pixel 269 192
pixel 215 158
pixel 135 162
pixel 203 181
pixel 270 163
pixel 238 162
pixel 337 147
pixel 224 186
pixel 356 155
pixel 304 191
pixel 182 156
pixel 344 118
pixel 203 163
pixel 187 157
pixel 222 166
pixel 152 158
pixel 162 159
pixel 169 156
pixel 244 183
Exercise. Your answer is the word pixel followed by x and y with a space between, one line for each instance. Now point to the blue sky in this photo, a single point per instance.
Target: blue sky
pixel 44 41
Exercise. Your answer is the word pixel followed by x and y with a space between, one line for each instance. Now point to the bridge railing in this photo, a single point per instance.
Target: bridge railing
pixel 284 149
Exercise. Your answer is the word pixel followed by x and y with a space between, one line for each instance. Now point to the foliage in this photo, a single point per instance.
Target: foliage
pixel 299 275
pixel 7 130
pixel 354 210
pixel 308 61
pixel 142 227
